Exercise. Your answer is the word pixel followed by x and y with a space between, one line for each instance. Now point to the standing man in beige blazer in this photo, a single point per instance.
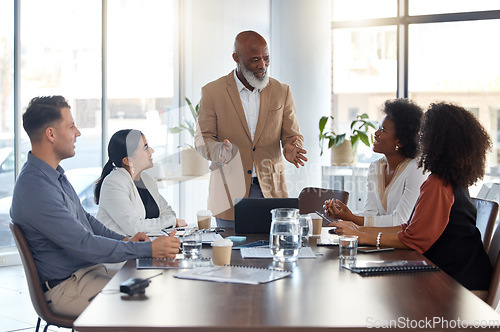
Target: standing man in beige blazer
pixel 242 120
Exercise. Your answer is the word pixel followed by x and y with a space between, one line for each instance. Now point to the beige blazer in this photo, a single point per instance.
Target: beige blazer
pixel 221 116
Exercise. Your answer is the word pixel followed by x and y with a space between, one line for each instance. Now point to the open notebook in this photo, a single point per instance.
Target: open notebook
pixel 234 274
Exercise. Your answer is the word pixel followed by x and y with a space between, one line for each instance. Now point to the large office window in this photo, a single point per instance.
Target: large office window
pixel 6 118
pixel 140 67
pixel 61 54
pixel 436 52
pixel 364 63
pixel 61 48
pixel 455 65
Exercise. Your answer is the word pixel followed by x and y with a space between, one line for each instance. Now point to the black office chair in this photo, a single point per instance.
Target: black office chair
pixel 487 212
pixel 35 286
pixel 492 295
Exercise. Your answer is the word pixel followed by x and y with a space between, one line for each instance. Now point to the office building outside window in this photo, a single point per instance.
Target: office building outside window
pixel 6 117
pixel 61 53
pixel 436 52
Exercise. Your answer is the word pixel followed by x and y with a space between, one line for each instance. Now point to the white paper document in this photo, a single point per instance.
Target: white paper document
pixel 234 274
pixel 305 252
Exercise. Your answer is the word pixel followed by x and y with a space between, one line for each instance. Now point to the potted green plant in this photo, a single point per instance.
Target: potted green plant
pixel 344 146
pixel 192 163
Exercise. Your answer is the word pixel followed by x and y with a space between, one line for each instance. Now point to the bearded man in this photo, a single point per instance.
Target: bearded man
pixel 246 123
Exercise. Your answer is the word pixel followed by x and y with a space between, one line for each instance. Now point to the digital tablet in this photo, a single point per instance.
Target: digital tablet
pixel 369 249
pixel 260 243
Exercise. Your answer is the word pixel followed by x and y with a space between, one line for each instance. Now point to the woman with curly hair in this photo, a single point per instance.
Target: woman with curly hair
pixel 394 180
pixel 443 224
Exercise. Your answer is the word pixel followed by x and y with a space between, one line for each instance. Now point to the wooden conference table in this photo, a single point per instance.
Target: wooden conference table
pixel 319 295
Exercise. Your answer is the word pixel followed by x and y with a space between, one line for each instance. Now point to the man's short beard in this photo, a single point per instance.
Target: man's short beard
pixel 256 83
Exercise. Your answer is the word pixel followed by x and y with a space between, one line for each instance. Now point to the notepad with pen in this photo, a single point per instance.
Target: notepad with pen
pixel 234 274
pixel 370 268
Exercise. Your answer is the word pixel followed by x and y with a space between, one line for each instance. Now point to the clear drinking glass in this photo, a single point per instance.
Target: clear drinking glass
pixel 305 223
pixel 191 244
pixel 348 248
pixel 285 234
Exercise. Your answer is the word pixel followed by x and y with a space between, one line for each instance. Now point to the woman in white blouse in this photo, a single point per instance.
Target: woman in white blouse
pixel 394 181
pixel 128 198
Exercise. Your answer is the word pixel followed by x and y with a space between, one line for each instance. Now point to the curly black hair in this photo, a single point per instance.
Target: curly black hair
pixel 454 144
pixel 407 117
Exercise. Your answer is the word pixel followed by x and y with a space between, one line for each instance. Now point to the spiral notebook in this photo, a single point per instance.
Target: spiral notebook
pixel 234 274
pixel 370 268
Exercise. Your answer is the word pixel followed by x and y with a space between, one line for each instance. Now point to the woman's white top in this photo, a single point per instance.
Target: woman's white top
pixel 122 210
pixel 392 205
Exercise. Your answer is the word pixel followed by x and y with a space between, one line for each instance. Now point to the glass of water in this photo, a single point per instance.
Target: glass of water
pixel 305 223
pixel 348 249
pixel 191 244
pixel 284 237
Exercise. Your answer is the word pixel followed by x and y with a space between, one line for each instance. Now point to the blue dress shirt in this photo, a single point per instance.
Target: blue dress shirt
pixel 62 236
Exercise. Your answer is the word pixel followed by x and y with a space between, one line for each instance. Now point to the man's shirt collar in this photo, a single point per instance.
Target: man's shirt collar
pixel 45 168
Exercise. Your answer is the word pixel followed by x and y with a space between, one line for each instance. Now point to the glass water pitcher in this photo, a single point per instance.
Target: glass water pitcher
pixel 284 237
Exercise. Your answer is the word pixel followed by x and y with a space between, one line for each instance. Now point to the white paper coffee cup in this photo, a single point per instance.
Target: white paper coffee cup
pixel 222 251
pixel 204 218
pixel 317 223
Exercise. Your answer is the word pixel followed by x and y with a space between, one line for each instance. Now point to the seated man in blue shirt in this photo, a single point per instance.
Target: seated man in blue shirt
pixel 68 244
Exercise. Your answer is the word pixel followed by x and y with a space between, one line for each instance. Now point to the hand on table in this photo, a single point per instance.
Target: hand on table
pixel 344 227
pixel 139 237
pixel 166 246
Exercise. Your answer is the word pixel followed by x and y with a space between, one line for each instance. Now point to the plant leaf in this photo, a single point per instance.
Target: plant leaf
pixel 364 138
pixel 176 130
pixel 339 139
pixel 354 139
pixel 194 112
pixel 354 144
pixel 372 124
pixel 322 124
pixel 190 128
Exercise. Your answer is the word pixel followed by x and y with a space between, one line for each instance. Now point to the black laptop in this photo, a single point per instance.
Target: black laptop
pixel 253 215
